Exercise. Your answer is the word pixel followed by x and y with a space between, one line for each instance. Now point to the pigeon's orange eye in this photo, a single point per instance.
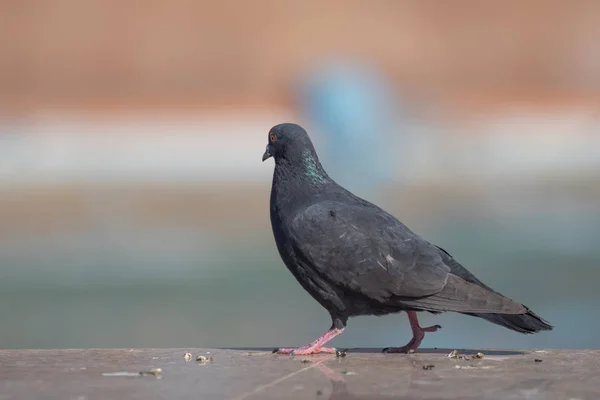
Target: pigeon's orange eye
pixel 273 137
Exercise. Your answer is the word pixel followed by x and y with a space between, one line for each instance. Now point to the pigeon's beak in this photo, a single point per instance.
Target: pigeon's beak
pixel 267 154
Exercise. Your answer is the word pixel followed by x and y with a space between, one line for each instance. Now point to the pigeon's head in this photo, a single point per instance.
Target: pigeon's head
pixel 289 142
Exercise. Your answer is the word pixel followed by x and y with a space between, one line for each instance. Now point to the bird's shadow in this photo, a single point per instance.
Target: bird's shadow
pixel 370 350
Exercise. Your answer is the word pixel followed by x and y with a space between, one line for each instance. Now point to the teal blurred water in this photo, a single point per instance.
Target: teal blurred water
pixel 236 292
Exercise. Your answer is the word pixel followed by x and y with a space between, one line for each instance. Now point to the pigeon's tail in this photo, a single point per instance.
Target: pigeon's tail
pixel 523 323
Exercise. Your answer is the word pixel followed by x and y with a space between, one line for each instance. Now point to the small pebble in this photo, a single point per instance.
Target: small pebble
pixel 538 360
pixel 340 353
pixel 305 361
pixel 152 371
pixel 428 367
pixel 203 359
pixel 348 373
pixel 453 354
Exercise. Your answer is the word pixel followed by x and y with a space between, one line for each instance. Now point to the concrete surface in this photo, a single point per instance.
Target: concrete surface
pixel 254 374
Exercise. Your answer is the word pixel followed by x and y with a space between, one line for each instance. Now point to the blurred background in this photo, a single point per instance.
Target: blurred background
pixel 134 206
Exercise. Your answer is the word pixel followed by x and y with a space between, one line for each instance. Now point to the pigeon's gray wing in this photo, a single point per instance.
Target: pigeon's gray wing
pixel 361 249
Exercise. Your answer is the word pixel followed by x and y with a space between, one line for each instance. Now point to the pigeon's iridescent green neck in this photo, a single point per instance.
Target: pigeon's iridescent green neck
pixel 312 169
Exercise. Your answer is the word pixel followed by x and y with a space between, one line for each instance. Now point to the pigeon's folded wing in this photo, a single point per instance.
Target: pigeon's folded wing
pixel 366 250
pixel 361 249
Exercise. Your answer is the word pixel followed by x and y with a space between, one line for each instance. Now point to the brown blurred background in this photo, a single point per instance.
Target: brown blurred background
pixel 130 137
pixel 139 55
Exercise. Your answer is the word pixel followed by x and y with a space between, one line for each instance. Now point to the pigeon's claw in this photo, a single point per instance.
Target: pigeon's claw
pixel 418 335
pixel 433 328
pixel 409 348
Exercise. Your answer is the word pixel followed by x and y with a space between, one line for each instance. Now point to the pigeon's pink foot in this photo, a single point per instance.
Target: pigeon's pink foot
pixel 418 335
pixel 306 350
pixel 315 347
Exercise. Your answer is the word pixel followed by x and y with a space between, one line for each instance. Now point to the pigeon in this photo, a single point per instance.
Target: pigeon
pixel 356 259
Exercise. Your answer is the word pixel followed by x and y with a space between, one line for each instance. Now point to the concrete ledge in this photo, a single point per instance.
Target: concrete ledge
pixel 258 374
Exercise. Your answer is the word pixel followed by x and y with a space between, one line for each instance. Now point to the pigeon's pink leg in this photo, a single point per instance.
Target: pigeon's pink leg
pixel 418 335
pixel 315 347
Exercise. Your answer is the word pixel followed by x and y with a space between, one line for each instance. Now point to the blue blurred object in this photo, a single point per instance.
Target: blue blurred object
pixel 353 108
